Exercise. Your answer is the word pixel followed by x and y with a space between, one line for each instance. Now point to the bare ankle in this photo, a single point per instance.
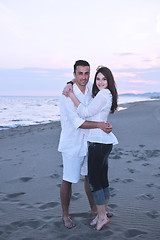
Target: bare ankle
pixel 102 223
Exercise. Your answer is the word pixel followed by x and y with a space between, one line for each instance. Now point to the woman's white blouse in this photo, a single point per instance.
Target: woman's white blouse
pixel 98 110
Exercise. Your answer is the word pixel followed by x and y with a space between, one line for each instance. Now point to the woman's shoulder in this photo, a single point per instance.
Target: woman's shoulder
pixel 105 92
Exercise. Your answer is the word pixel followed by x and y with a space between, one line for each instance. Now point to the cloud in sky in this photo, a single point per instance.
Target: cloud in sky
pixel 143 81
pixel 40 35
pixel 124 54
pixel 158 24
pixel 50 82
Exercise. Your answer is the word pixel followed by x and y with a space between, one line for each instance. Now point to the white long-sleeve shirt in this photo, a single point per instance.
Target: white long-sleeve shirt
pixel 98 110
pixel 73 139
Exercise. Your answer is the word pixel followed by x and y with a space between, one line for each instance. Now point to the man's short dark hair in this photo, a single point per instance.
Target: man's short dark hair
pixel 80 63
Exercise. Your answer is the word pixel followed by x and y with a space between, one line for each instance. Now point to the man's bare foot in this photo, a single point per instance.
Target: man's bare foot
pixel 68 222
pixel 94 213
pixel 101 223
pixel 94 221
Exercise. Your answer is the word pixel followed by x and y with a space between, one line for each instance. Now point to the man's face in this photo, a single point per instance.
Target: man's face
pixel 82 75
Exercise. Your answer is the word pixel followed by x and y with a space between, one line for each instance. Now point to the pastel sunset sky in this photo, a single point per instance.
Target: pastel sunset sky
pixel 41 39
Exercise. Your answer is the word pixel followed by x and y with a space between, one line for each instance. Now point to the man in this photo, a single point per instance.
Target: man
pixel 73 144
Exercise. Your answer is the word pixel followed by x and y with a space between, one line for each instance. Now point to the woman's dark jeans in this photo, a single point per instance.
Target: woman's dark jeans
pixel 98 171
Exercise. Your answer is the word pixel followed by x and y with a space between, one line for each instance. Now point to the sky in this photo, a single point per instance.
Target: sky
pixel 40 40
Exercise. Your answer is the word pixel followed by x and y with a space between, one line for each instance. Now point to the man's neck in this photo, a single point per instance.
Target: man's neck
pixel 81 88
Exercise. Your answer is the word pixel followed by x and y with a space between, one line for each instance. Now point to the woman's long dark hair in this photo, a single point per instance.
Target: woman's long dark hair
pixel 111 86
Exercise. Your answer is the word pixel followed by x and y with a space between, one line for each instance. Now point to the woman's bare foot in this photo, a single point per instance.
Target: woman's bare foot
pixel 68 222
pixel 94 221
pixel 101 223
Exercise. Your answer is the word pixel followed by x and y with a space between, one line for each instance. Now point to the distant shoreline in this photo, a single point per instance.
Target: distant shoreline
pixel 146 94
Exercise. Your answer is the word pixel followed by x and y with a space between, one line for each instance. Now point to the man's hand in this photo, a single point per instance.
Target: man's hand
pixel 106 127
pixel 67 89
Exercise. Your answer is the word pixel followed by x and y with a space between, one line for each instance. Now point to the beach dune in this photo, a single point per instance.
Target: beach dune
pixel 31 172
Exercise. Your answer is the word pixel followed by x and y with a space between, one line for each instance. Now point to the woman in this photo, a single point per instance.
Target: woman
pixel 100 144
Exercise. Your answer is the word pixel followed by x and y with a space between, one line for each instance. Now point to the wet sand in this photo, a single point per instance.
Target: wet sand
pixel 30 178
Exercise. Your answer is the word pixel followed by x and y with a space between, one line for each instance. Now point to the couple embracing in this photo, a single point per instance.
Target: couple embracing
pixel 86 138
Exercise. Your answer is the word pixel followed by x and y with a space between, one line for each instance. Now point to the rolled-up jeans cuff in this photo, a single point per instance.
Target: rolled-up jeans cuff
pixel 100 196
pixel 107 192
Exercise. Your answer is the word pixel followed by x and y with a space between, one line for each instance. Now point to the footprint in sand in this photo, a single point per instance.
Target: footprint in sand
pixel 150 184
pixel 145 155
pixel 129 161
pixel 135 153
pixel 127 180
pixel 116 154
pixel 146 164
pixel 48 205
pixel 23 151
pixel 25 206
pixel 7 159
pixel 34 224
pixel 153 214
pixel 83 215
pixel 137 159
pixel 113 192
pixel 142 158
pixel 145 196
pixel 115 157
pixel 55 175
pixel 76 196
pixel 112 205
pixel 14 195
pixel 152 153
pixel 142 146
pixel 130 233
pixel 58 185
pixel 157 175
pixel 115 180
pixel 25 179
pixel 131 170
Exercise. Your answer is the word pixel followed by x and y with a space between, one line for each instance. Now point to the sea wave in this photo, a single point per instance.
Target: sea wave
pixel 24 111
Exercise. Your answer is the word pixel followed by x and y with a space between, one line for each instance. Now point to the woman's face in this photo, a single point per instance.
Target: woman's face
pixel 101 81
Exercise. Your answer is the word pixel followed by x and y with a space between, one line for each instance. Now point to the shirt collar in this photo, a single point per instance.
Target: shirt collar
pixel 78 91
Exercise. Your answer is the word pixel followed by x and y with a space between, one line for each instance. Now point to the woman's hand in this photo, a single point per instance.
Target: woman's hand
pixel 71 94
pixel 67 89
pixel 105 126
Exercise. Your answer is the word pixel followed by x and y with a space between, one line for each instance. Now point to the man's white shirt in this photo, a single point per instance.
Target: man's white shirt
pixel 73 139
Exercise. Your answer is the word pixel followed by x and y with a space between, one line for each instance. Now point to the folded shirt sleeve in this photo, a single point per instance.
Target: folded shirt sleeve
pixel 70 113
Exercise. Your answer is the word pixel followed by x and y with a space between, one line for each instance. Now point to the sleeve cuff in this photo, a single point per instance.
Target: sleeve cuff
pixel 78 122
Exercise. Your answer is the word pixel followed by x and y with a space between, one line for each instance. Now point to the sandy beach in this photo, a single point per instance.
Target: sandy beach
pixel 31 171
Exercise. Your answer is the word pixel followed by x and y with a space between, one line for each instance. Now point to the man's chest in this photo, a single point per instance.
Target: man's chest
pixel 84 98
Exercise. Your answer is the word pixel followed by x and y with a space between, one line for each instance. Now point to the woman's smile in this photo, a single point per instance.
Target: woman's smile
pixel 101 81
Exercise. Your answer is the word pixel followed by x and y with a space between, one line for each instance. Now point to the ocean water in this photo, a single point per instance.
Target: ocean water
pixel 24 111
